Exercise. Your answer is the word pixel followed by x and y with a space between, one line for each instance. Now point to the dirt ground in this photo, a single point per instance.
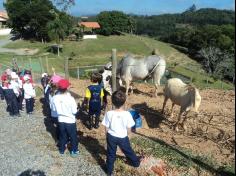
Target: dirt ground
pixel 211 133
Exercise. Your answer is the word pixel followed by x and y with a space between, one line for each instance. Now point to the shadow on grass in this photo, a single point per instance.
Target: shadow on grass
pixel 93 146
pixel 45 107
pixel 52 127
pixel 153 117
pixel 30 172
pixel 49 122
pixel 83 116
pixel 216 171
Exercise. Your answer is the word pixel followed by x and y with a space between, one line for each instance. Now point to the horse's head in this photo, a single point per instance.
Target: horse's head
pixel 195 97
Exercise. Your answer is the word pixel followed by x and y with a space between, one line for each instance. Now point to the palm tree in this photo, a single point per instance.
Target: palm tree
pixel 56 31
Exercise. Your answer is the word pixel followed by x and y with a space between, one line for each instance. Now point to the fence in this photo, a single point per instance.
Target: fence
pixel 41 64
pixel 198 78
pixel 83 72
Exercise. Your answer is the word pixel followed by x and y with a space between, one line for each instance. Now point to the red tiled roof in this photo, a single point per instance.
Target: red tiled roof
pixel 93 25
pixel 3 14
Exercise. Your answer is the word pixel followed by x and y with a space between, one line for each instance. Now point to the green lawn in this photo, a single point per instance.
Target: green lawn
pixel 96 52
pixel 3 37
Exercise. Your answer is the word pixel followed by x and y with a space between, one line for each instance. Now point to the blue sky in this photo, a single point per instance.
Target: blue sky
pixel 145 7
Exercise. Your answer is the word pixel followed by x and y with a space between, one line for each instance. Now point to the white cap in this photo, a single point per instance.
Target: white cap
pixel 14 75
pixel 26 77
pixel 44 74
pixel 8 71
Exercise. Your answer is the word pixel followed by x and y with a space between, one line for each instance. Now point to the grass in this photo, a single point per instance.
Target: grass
pixel 200 79
pixel 3 37
pixel 179 158
pixel 97 52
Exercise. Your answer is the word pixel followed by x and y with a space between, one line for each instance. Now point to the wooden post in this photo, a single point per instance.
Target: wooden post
pixel 66 65
pixel 41 65
pixel 47 64
pixel 30 63
pixel 31 69
pixel 114 67
pixel 22 63
pixel 78 75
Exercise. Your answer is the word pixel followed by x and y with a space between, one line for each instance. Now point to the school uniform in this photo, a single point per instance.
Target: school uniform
pixel 54 115
pixel 29 94
pixel 11 100
pixel 21 94
pixel 95 94
pixel 1 93
pixel 66 108
pixel 117 123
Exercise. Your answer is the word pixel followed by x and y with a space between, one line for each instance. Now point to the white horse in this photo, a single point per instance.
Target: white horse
pixel 131 69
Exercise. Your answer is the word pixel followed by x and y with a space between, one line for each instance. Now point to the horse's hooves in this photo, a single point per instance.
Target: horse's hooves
pixel 177 129
pixel 184 127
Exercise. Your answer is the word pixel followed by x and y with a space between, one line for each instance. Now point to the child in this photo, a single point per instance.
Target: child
pixel 117 123
pixel 93 97
pixel 53 114
pixel 29 94
pixel 10 96
pixel 44 80
pixel 65 106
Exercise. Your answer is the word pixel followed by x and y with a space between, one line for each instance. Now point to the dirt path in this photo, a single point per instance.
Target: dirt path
pixel 28 148
pixel 212 133
pixel 22 51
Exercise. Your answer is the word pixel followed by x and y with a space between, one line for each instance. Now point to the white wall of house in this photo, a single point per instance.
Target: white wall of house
pixel 90 37
pixel 6 31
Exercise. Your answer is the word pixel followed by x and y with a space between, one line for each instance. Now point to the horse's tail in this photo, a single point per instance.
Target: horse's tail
pixel 119 67
pixel 160 70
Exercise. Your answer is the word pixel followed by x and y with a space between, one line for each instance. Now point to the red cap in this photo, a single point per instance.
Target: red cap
pixel 63 84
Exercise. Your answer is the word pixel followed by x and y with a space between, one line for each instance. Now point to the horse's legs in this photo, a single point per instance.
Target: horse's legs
pixel 156 85
pixel 132 88
pixel 164 104
pixel 179 118
pixel 127 85
pixel 171 111
pixel 184 119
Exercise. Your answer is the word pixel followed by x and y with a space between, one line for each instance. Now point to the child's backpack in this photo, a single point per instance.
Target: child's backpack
pixel 137 119
pixel 95 100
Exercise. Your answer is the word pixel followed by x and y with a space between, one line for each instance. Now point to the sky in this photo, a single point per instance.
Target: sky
pixel 144 7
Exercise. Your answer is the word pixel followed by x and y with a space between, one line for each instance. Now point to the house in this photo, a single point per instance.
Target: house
pixel 88 29
pixel 3 18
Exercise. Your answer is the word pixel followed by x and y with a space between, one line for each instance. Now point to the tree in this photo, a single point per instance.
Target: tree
pixel 65 4
pixel 29 18
pixel 56 30
pixel 211 57
pixel 217 63
pixel 115 22
pixel 193 8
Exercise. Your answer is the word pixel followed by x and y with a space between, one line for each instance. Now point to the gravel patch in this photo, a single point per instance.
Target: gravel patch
pixel 26 148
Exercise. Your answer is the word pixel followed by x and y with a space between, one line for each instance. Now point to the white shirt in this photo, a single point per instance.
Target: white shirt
pixel 52 107
pixel 16 87
pixel 66 107
pixel 118 123
pixel 106 83
pixel 20 83
pixel 29 91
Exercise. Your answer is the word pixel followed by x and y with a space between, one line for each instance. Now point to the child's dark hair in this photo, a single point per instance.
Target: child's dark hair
pixel 96 77
pixel 118 98
pixel 62 91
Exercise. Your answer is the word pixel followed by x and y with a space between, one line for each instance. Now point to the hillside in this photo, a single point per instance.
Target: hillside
pixel 93 52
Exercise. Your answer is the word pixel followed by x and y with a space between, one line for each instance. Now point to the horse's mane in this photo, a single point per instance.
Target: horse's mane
pixel 191 88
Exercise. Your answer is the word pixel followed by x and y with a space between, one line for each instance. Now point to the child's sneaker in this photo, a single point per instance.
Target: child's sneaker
pixel 61 153
pixel 74 154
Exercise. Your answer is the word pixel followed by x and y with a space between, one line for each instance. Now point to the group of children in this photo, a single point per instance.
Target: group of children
pixel 64 110
pixel 17 89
